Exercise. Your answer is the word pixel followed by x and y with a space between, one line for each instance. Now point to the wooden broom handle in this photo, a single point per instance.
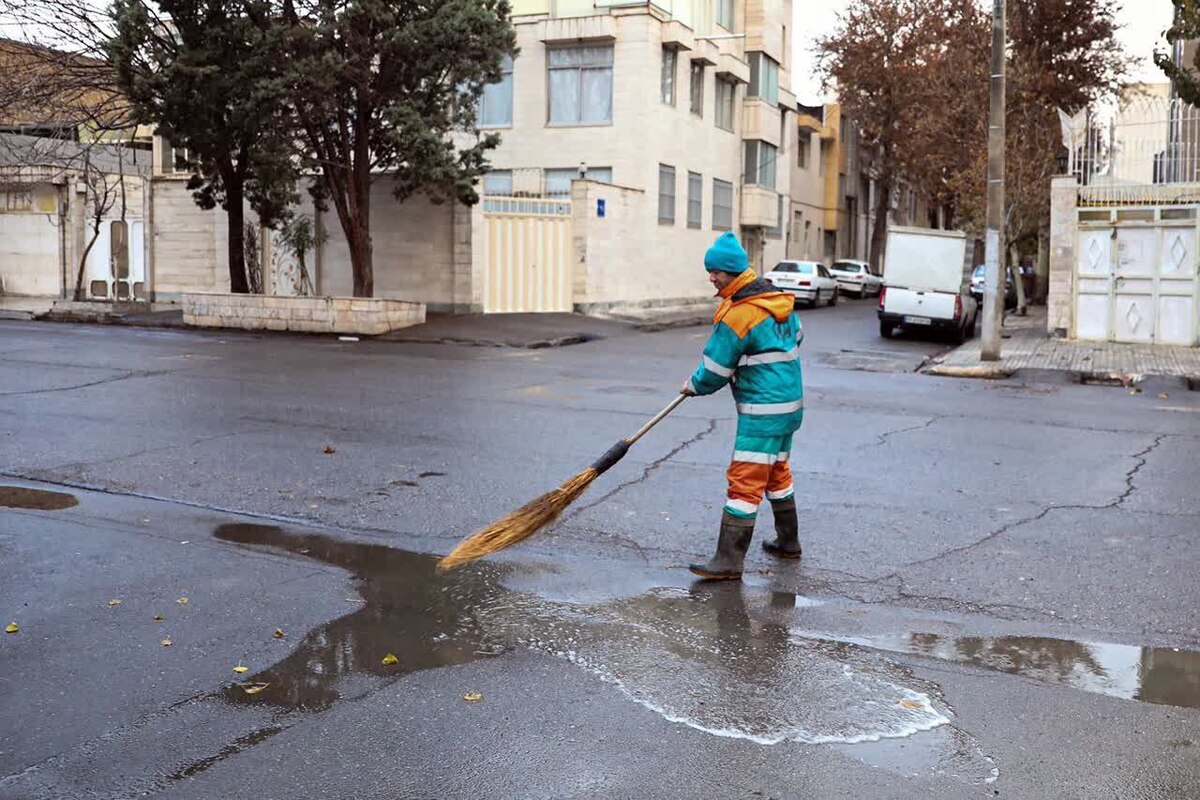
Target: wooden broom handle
pixel 671 406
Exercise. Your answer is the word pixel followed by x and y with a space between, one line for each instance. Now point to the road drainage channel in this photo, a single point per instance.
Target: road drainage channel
pixel 723 659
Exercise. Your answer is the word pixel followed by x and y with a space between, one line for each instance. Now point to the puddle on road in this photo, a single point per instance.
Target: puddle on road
pixel 717 658
pixel 1159 675
pixel 424 618
pixel 35 499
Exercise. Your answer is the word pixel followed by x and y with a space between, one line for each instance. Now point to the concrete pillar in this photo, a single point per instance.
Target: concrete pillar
pixel 1064 229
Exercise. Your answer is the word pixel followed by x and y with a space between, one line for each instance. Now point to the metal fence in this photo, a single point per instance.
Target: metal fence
pixel 1145 149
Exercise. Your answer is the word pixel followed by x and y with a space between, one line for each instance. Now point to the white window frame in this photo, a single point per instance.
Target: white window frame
pixel 695 200
pixel 668 81
pixel 666 194
pixel 497 94
pixel 602 62
pixel 759 168
pixel 727 105
pixel 764 78
pixel 724 14
pixel 722 219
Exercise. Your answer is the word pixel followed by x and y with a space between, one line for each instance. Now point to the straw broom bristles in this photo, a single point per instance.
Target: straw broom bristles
pixel 520 524
pixel 537 514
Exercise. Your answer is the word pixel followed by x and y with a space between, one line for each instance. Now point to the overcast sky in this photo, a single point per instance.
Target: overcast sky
pixel 1143 22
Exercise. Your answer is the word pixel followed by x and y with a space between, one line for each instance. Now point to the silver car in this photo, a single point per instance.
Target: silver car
pixel 807 280
pixel 855 277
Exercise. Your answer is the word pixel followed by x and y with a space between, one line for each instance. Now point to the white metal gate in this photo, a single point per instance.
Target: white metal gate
pixel 116 264
pixel 528 254
pixel 1136 275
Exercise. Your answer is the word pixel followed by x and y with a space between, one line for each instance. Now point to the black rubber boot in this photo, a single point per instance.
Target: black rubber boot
pixel 787 530
pixel 734 541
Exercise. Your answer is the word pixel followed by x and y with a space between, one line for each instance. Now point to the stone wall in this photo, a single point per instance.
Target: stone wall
pixel 1064 230
pixel 367 316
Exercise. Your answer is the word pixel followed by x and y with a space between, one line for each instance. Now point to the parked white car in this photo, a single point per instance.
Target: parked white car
pixel 855 277
pixel 807 280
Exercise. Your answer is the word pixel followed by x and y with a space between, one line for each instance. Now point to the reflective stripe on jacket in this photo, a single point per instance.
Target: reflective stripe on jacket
pixel 755 346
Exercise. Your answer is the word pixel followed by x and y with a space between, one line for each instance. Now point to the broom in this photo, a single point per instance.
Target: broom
pixel 537 514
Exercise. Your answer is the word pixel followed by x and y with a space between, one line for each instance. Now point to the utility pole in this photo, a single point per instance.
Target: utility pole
pixel 993 285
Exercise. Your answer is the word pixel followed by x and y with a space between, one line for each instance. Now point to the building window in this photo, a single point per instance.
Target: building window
pixel 726 92
pixel 725 14
pixel 558 181
pixel 802 151
pixel 498 182
pixel 698 88
pixel 760 164
pixel 695 197
pixel 776 230
pixel 764 78
pixel 722 205
pixel 496 104
pixel 581 81
pixel 666 195
pixel 670 68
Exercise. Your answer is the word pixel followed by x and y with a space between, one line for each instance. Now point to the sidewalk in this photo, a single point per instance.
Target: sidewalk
pixel 509 330
pixel 1026 346
pixel 24 308
pixel 484 330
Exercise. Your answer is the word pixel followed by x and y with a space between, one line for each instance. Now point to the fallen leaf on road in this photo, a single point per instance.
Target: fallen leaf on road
pixel 329 450
pixel 1164 396
pixel 12 627
pixel 239 669
pixel 114 602
pixel 158 617
pixel 278 633
pixel 472 697
pixel 1135 391
pixel 911 704
pixel 182 601
pixel 254 688
pixel 166 643
pixel 390 659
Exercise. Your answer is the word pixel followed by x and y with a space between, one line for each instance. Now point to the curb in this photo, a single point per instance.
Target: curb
pixel 978 371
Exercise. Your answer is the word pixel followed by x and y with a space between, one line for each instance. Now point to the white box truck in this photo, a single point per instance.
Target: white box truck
pixel 926 284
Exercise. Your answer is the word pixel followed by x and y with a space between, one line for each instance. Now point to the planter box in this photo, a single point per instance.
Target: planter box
pixel 256 312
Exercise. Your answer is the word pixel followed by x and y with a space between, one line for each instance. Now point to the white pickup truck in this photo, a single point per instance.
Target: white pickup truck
pixel 926 284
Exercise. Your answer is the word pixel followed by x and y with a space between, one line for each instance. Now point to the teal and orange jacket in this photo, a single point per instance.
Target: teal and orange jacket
pixel 755 347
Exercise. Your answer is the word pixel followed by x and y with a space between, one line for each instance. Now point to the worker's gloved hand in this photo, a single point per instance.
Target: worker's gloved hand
pixel 687 390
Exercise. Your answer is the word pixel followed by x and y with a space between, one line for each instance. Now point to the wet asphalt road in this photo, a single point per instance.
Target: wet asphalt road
pixel 998 595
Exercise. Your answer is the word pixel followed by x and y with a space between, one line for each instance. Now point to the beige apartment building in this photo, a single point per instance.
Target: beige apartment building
pixel 678 117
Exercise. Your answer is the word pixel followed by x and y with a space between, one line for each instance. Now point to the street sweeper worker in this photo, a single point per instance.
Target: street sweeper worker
pixel 753 347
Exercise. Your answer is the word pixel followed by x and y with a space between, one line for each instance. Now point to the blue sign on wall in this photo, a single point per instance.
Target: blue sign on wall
pixel 599 206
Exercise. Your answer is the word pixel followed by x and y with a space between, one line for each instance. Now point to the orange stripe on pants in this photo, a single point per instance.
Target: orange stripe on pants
pixel 749 482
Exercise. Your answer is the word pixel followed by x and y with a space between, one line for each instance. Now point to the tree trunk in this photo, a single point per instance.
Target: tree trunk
pixel 83 262
pixel 236 214
pixel 879 232
pixel 358 233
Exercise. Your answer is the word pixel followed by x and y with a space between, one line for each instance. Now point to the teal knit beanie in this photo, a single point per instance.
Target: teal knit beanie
pixel 726 255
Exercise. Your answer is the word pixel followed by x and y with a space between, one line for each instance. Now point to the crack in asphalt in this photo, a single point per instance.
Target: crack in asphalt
pixel 883 437
pixel 76 466
pixel 115 379
pixel 647 470
pixel 1141 457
